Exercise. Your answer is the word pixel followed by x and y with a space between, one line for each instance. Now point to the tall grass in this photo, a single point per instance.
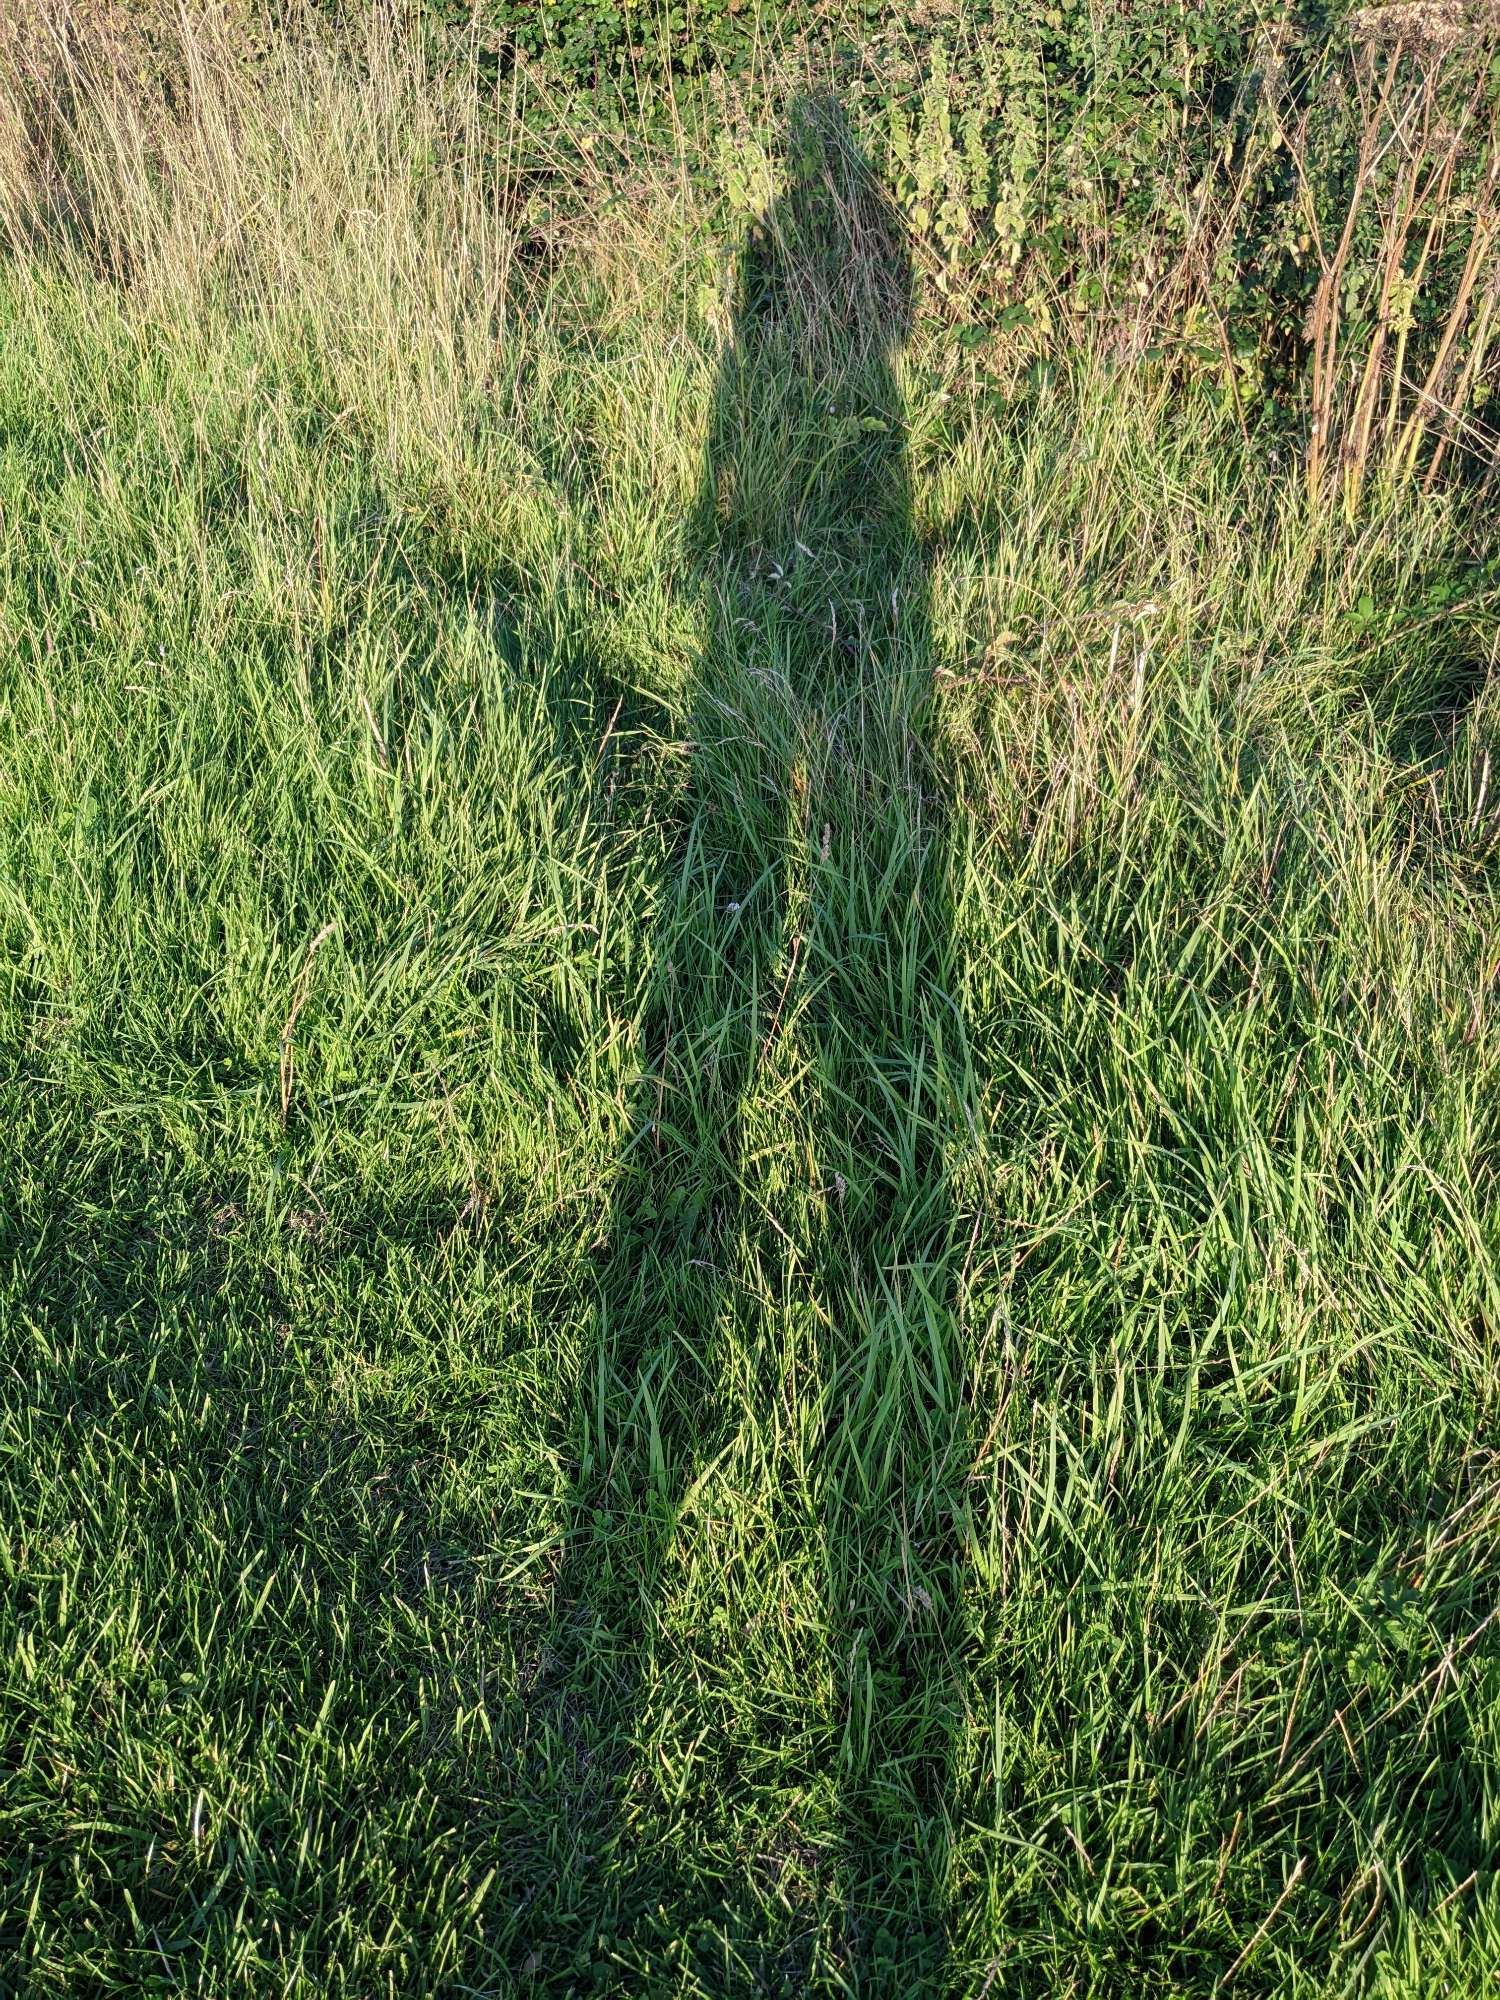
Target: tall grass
pixel 749 1079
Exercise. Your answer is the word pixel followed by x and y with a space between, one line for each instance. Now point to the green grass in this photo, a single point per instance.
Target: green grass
pixel 749 1139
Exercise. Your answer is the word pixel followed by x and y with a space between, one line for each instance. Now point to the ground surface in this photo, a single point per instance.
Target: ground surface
pixel 749 1167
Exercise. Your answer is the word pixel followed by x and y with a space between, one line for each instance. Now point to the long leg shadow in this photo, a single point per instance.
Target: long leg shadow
pixel 776 1310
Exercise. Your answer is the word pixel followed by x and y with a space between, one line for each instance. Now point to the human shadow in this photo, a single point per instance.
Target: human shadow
pixel 763 1540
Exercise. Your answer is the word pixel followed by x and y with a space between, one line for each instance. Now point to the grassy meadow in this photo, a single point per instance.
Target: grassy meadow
pixel 749 1067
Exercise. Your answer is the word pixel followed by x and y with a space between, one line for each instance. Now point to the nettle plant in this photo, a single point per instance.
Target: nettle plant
pixel 1037 154
pixel 964 152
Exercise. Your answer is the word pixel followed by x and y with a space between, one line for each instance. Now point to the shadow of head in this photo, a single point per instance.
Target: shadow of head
pixel 827 265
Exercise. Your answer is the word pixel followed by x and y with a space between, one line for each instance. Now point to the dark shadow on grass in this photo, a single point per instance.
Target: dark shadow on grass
pixel 241 1541
pixel 758 1596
